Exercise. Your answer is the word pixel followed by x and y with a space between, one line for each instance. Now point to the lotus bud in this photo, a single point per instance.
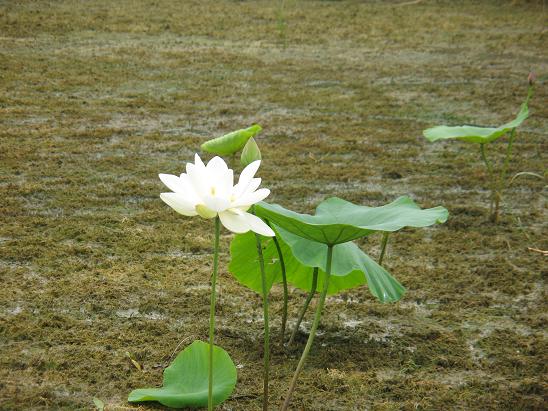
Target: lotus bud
pixel 532 77
pixel 250 153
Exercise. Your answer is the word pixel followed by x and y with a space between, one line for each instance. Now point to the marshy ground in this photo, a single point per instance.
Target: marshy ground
pixel 99 97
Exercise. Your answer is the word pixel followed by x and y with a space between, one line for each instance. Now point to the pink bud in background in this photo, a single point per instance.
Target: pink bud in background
pixel 532 77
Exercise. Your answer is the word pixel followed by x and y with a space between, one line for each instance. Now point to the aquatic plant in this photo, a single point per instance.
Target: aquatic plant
pixel 484 136
pixel 230 144
pixel 324 240
pixel 208 191
pixel 187 379
pixel 303 260
pixel 310 250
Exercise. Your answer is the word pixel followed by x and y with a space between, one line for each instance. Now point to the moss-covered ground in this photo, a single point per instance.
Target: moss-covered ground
pixel 98 97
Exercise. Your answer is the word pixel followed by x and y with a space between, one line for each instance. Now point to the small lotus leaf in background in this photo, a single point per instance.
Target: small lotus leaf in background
pixel 186 379
pixel 338 221
pixel 232 142
pixel 475 134
pixel 250 153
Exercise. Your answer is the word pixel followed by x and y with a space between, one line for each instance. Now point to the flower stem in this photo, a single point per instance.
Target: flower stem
pixel 284 281
pixel 286 293
pixel 266 354
pixel 305 306
pixel 384 242
pixel 212 312
pixel 317 317
pixel 492 179
pixel 502 178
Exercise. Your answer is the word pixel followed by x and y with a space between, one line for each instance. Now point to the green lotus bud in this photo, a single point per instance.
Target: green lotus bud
pixel 250 153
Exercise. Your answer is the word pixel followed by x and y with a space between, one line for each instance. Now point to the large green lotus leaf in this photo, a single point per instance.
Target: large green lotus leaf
pixel 475 134
pixel 350 267
pixel 232 142
pixel 337 284
pixel 244 261
pixel 186 379
pixel 338 221
pixel 244 266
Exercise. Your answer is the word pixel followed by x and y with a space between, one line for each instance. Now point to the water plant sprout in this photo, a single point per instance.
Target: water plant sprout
pixel 484 136
pixel 337 222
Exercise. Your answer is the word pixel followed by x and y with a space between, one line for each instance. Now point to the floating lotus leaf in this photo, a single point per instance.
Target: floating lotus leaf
pixel 232 142
pixel 474 134
pixel 338 221
pixel 186 379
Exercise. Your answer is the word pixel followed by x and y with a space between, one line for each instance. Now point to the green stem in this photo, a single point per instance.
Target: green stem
pixel 491 177
pixel 212 312
pixel 502 179
pixel 284 281
pixel 305 306
pixel 484 158
pixel 286 292
pixel 266 349
pixel 508 155
pixel 317 317
pixel 266 354
pixel 384 242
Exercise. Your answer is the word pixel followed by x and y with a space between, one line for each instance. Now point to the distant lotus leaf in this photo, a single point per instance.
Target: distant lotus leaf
pixel 475 134
pixel 232 142
pixel 186 379
pixel 338 221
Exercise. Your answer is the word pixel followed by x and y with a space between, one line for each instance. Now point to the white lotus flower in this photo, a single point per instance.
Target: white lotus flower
pixel 209 191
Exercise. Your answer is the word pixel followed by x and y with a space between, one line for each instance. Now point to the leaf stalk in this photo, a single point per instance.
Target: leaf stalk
pixel 502 180
pixel 492 179
pixel 286 292
pixel 384 242
pixel 212 311
pixel 266 342
pixel 315 324
pixel 309 297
